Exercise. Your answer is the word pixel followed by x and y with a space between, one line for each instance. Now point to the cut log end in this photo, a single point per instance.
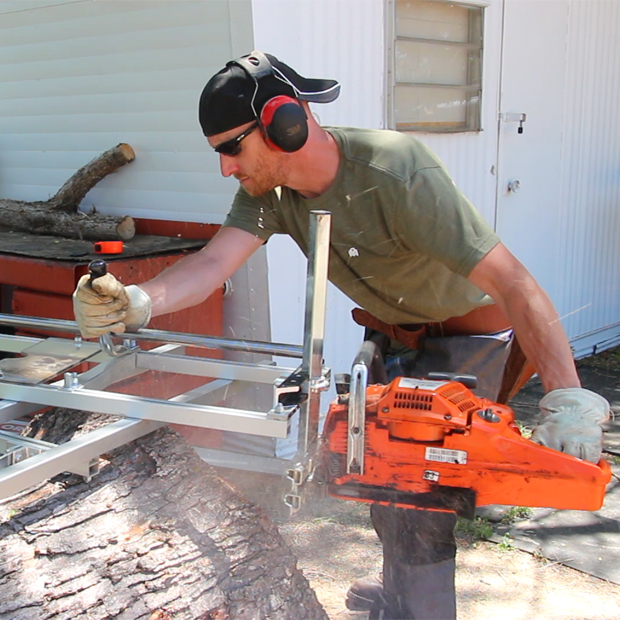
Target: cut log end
pixel 128 153
pixel 126 228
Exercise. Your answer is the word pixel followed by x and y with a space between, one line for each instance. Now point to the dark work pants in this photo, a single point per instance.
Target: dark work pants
pixel 417 538
pixel 412 536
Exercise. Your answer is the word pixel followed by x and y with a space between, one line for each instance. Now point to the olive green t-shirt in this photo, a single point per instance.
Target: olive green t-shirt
pixel 403 237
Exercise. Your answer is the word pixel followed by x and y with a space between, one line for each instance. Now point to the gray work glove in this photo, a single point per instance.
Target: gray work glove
pixel 105 305
pixel 572 419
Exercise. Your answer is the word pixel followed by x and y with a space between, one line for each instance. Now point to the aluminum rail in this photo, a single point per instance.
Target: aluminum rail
pixel 76 391
pixel 71 455
pixel 140 407
pixel 159 335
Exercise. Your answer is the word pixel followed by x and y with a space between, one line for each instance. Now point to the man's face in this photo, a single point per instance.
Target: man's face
pixel 256 166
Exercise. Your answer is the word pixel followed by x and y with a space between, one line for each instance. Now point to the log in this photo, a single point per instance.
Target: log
pixel 59 216
pixel 157 534
pixel 39 221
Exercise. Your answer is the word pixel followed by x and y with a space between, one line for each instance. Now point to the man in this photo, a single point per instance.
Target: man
pixel 406 245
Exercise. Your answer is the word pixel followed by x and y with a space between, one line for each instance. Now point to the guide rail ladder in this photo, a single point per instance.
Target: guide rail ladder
pixel 30 382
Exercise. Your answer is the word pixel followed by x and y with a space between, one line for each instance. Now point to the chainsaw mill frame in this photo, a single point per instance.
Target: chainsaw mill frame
pixel 25 462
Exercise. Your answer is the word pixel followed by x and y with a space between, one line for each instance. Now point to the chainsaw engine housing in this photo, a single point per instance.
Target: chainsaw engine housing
pixel 435 445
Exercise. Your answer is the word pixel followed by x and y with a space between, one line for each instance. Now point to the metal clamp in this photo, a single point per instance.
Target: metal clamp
pixel 116 350
pixel 297 475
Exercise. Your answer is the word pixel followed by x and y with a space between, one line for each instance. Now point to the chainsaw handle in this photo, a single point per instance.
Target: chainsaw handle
pixel 469 381
pixel 369 354
pixel 368 363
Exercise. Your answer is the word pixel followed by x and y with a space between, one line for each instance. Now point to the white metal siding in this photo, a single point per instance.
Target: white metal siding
pixel 533 83
pixel 77 78
pixel 590 226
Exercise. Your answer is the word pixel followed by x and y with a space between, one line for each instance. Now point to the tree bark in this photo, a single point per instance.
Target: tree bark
pixel 155 535
pixel 59 216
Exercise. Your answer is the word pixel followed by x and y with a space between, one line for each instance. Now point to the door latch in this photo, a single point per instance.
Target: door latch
pixel 514 117
pixel 513 186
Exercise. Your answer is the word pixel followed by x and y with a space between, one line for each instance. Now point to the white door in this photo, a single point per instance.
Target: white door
pixel 529 166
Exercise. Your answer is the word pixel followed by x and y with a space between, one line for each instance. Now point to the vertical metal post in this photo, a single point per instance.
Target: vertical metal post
pixel 314 328
pixel 312 361
pixel 357 418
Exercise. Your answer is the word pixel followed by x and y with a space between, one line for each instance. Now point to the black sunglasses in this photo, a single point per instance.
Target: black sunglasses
pixel 232 147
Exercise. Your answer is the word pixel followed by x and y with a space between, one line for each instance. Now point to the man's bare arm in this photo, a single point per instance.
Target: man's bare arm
pixel 194 278
pixel 535 320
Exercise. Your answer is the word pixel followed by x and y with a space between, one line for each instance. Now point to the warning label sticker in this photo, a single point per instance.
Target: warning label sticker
pixel 443 455
pixel 420 384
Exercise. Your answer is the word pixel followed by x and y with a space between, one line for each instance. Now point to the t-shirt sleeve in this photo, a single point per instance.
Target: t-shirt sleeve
pixel 438 221
pixel 257 216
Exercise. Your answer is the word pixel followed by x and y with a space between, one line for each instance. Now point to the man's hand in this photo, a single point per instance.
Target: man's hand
pixel 104 305
pixel 571 422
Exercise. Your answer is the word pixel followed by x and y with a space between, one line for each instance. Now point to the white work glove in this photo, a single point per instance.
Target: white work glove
pixel 572 419
pixel 105 305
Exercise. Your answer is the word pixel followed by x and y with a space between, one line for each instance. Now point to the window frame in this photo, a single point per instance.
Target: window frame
pixel 473 123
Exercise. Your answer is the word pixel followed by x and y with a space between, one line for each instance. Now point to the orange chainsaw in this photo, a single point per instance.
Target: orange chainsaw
pixel 432 444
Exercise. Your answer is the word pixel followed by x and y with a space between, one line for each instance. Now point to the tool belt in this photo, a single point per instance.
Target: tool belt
pixel 483 320
pixel 409 335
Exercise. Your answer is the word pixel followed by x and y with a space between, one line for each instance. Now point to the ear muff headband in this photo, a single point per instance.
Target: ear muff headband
pixel 282 119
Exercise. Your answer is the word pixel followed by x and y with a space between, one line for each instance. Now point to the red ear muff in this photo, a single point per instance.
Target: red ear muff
pixel 284 123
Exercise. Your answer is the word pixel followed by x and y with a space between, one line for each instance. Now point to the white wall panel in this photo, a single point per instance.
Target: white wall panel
pixel 589 296
pixel 339 39
pixel 76 78
pixel 533 83
pixel 15 6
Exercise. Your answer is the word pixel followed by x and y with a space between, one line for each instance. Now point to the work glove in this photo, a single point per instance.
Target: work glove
pixel 572 419
pixel 104 305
